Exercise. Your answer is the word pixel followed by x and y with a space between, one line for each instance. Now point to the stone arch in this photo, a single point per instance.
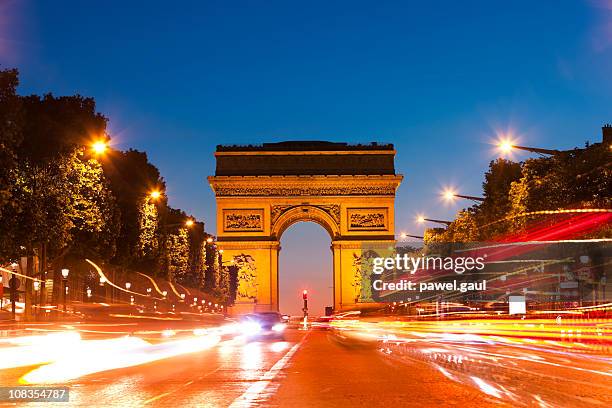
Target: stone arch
pixel 262 190
pixel 299 213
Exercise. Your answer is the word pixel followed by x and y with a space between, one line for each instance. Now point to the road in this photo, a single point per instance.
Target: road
pixel 317 368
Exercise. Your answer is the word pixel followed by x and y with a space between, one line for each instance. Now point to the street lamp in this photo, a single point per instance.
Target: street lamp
pixel 128 285
pixel 65 273
pixel 404 235
pixel 507 145
pixel 155 194
pixel 99 147
pixel 164 293
pixel 12 283
pixel 421 219
pixel 148 291
pixel 450 195
pixel 182 297
pixel 189 223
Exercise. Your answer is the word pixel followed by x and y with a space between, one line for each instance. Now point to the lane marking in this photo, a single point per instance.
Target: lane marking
pixel 254 392
pixel 155 398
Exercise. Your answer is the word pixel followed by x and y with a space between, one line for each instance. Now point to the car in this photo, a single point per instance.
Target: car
pixel 263 325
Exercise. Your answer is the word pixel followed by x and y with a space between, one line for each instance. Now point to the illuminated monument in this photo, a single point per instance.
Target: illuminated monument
pixel 262 190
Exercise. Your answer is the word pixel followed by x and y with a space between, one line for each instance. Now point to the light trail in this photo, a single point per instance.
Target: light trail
pixel 93 356
pixel 102 275
pixel 548 357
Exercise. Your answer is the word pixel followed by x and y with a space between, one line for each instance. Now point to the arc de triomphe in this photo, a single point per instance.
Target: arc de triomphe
pixel 262 190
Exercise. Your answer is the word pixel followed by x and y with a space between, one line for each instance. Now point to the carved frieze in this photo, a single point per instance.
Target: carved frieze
pixel 231 191
pixel 243 220
pixel 332 209
pixel 367 219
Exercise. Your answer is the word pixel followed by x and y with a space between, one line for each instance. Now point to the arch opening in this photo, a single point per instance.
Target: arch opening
pixel 305 262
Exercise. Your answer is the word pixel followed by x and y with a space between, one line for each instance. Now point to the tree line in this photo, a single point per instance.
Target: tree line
pixel 536 192
pixel 58 194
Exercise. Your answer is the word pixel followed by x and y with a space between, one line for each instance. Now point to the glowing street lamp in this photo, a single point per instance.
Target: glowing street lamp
pixel 102 280
pixel 65 273
pixel 506 146
pixel 421 220
pixel 148 291
pixel 405 235
pixel 182 296
pixel 450 195
pixel 128 285
pixel 209 240
pixel 189 223
pixel 164 293
pixel 99 147
pixel 155 194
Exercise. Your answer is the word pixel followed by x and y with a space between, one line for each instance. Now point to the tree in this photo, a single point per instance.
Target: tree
pixel 578 178
pixel 10 137
pixel 59 196
pixel 177 252
pixel 132 177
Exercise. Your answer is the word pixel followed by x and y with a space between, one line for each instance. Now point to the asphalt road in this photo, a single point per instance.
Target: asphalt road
pixel 317 369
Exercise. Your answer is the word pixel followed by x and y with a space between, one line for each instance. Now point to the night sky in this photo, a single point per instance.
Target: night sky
pixel 438 79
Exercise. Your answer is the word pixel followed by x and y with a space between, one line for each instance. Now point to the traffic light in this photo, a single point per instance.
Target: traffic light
pixel 305 294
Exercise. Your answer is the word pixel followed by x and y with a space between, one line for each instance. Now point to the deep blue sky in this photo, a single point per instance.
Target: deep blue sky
pixel 438 79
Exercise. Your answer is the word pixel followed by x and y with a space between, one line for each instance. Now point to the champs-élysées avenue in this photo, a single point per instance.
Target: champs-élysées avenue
pixel 322 204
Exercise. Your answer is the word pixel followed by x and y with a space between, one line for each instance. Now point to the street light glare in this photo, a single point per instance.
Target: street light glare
pixel 420 219
pixel 155 194
pixel 505 146
pixel 99 147
pixel 189 223
pixel 403 235
pixel 449 195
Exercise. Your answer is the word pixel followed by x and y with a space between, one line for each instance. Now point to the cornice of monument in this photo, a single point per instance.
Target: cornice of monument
pixel 359 185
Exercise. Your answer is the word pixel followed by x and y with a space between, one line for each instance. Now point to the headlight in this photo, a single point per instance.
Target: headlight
pixel 250 328
pixel 278 327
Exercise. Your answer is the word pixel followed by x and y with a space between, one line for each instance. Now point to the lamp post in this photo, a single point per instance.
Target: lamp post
pixel 102 291
pixel 421 220
pixel 128 285
pixel 65 273
pixel 404 235
pixel 13 283
pixel 506 146
pixel 450 195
